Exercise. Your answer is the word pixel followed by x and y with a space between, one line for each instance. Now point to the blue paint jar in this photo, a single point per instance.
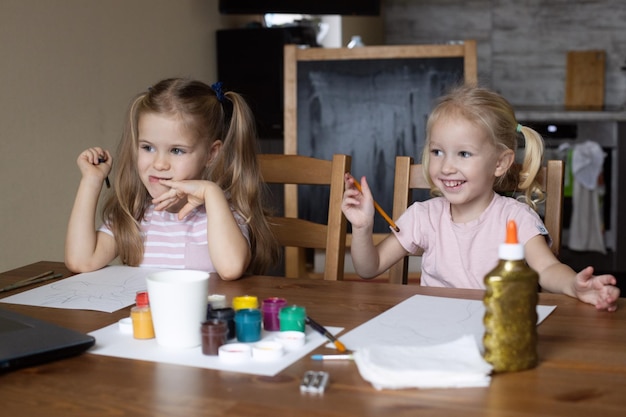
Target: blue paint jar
pixel 248 325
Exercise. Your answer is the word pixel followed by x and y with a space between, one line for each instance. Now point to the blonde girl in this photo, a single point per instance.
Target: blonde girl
pixel 187 191
pixel 470 147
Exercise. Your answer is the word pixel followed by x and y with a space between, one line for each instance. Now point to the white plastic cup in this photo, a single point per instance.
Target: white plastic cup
pixel 178 301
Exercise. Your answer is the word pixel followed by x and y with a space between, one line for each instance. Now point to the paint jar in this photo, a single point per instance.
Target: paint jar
pixel 248 322
pixel 226 314
pixel 214 334
pixel 292 318
pixel 215 301
pixel 141 317
pixel 270 308
pixel 245 301
pixel 142 323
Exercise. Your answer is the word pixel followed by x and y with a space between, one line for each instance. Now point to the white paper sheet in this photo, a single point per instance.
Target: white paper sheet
pixel 111 342
pixel 425 320
pixel 108 289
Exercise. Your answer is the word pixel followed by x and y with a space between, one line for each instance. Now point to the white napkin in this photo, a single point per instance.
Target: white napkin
pixel 455 364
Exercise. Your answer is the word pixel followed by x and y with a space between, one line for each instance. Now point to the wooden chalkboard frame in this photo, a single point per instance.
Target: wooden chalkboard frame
pixel 293 55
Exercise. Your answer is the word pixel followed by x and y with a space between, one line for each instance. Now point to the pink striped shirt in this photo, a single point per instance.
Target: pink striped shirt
pixel 177 244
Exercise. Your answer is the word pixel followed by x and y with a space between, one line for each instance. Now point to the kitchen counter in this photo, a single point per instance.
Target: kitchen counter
pixel 561 114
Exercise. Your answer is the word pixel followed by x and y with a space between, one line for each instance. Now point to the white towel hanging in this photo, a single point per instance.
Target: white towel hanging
pixel 586 224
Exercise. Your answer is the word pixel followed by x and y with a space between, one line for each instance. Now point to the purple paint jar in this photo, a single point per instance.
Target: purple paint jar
pixel 270 308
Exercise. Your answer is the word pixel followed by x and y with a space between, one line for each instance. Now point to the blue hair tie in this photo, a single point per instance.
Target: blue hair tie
pixel 217 87
pixel 519 128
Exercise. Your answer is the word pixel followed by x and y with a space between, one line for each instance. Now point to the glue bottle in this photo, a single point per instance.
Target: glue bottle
pixel 510 338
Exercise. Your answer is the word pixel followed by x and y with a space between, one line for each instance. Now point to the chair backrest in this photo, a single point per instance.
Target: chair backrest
pixel 297 234
pixel 410 176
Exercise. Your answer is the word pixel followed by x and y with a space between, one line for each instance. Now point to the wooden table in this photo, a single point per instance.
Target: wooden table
pixel 582 370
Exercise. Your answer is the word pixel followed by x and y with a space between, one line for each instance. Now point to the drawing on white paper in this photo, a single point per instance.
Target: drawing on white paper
pixel 104 295
pixel 424 320
pixel 108 289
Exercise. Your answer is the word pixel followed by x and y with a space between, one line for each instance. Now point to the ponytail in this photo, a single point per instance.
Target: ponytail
pixel 236 171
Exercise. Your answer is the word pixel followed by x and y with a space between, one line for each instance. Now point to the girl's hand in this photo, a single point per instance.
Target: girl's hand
pixel 357 206
pixel 184 196
pixel 598 290
pixel 95 163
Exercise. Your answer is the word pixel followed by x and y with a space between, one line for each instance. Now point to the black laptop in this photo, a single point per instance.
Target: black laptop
pixel 25 341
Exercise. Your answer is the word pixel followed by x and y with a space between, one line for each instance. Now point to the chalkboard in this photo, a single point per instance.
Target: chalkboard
pixel 370 103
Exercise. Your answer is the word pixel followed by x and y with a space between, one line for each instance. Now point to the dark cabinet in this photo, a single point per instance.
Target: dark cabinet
pixel 250 62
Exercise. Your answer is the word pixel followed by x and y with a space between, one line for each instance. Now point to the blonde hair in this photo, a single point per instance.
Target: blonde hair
pixel 235 169
pixel 492 113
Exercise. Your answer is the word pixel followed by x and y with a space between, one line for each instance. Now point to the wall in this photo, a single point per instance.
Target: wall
pixel 69 68
pixel 522 44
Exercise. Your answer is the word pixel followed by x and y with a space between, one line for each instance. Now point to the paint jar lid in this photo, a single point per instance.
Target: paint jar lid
pixel 292 312
pixel 125 325
pixel 245 301
pixel 291 339
pixel 273 304
pixel 248 315
pixel 235 352
pixel 267 351
pixel 217 301
pixel 226 313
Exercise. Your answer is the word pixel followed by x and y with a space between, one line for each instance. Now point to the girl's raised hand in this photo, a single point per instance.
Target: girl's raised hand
pixel 599 290
pixel 95 163
pixel 184 196
pixel 357 206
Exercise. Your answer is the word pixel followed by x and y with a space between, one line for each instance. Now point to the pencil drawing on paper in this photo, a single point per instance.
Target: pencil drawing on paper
pixel 425 320
pixel 102 295
pixel 428 320
pixel 108 289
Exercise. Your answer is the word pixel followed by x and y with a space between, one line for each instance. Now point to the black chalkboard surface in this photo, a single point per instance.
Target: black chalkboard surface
pixel 370 107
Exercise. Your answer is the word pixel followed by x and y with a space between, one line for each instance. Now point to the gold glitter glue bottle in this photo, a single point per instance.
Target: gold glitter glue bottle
pixel 510 299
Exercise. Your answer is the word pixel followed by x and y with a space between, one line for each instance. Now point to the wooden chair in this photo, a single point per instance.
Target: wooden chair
pixel 298 234
pixel 409 176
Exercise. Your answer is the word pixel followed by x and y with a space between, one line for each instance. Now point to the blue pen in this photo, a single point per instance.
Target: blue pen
pixel 345 356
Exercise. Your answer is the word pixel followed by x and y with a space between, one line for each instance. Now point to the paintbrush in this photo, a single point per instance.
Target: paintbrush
pixel 323 331
pixel 46 276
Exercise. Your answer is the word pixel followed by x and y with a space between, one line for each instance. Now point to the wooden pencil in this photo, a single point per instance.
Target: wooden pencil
pixel 379 209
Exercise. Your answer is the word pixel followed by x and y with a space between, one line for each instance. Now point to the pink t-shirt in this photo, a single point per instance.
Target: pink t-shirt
pixel 461 254
pixel 177 244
